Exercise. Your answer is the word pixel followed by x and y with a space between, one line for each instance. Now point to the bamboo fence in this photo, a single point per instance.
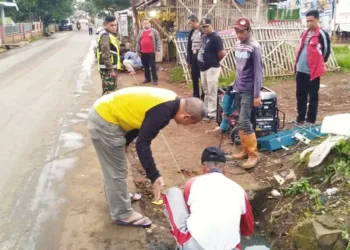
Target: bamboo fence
pixel 278 43
pixel 223 13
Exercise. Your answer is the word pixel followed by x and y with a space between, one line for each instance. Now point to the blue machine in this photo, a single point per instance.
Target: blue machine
pixel 286 138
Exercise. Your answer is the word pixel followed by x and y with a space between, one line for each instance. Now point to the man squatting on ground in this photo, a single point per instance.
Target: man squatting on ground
pixel 209 57
pixel 248 84
pixel 108 56
pixel 312 55
pixel 193 46
pixel 115 120
pixel 213 212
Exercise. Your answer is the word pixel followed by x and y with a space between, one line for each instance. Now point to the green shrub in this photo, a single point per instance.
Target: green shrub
pixel 227 81
pixel 342 54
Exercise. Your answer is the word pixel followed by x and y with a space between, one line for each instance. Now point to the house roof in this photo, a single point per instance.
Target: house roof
pixel 9 3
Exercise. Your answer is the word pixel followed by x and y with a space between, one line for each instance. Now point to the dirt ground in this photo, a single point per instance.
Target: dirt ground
pixel 187 143
pixel 87 224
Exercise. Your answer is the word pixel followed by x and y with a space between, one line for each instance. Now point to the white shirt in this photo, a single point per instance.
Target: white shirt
pixel 216 205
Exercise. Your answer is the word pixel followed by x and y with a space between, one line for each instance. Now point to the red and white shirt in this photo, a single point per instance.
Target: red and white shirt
pixel 219 212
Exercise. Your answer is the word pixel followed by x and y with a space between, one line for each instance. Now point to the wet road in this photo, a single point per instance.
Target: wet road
pixel 39 84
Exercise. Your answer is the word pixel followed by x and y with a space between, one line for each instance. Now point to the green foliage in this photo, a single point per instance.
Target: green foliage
pixel 177 74
pixel 111 5
pixel 87 6
pixel 342 54
pixel 339 169
pixel 302 186
pixel 45 10
pixel 227 81
pixel 298 161
pixel 299 187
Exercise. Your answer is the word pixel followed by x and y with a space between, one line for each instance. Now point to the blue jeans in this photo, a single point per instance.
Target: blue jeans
pixel 244 104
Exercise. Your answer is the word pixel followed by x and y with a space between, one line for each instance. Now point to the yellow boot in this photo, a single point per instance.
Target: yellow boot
pixel 243 153
pixel 252 150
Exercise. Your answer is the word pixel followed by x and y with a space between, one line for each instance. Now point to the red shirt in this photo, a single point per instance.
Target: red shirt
pixel 147 42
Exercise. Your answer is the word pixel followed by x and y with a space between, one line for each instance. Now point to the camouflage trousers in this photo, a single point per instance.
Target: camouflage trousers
pixel 109 84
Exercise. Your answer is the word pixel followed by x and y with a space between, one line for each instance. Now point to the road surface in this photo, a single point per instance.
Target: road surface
pixel 39 85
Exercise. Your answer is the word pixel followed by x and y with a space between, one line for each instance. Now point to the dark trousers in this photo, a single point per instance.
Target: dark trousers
pixel 195 75
pixel 307 91
pixel 90 31
pixel 149 63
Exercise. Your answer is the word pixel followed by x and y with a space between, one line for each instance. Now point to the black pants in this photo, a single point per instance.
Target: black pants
pixel 195 75
pixel 307 91
pixel 90 31
pixel 149 63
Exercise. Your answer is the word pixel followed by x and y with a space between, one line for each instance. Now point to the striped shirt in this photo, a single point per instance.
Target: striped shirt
pixel 249 72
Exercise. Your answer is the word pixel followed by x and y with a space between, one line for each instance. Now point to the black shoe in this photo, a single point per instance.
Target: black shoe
pixel 146 81
pixel 209 118
pixel 155 82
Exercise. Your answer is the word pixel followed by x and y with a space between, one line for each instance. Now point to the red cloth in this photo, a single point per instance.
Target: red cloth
pixel 315 59
pixel 147 42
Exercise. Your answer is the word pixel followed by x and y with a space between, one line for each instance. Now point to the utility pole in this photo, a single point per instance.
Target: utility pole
pixel 136 16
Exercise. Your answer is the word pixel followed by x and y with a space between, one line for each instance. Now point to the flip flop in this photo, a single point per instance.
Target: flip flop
pixel 135 196
pixel 146 223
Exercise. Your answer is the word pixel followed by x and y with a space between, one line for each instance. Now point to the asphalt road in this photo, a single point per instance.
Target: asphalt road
pixel 39 84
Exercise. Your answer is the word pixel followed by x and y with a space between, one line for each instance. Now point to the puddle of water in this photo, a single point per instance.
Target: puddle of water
pixel 72 140
pixel 257 248
pixel 85 75
pixel 72 121
pixel 255 242
pixel 82 115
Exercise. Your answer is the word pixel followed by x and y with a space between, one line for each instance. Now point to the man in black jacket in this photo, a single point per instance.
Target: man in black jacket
pixel 193 46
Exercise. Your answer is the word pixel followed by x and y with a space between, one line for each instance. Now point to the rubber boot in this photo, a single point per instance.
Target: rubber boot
pixel 252 150
pixel 243 154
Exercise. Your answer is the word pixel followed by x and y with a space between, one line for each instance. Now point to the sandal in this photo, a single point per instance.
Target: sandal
pixel 146 223
pixel 135 196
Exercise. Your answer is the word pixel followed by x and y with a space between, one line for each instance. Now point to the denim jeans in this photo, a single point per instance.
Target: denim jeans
pixel 244 104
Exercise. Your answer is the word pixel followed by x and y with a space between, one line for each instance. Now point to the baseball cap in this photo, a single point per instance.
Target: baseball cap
pixel 213 154
pixel 242 23
pixel 205 22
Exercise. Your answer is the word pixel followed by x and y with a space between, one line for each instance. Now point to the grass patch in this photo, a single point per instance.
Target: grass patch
pixel 177 74
pixel 227 81
pixel 342 54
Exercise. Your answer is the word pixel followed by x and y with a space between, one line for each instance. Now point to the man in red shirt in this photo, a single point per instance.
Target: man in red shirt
pixel 213 212
pixel 148 43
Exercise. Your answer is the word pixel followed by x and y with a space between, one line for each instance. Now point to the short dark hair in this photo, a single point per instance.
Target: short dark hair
pixel 193 18
pixel 313 13
pixel 110 19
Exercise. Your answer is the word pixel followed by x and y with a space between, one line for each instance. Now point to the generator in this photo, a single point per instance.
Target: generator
pixel 265 119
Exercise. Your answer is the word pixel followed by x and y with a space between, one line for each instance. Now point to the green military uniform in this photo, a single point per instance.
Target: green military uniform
pixel 108 58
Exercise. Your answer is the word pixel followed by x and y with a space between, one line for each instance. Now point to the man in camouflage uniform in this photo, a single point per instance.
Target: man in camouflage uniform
pixel 108 56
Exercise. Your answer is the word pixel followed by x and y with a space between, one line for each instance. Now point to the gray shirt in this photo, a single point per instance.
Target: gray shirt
pixel 302 65
pixel 196 39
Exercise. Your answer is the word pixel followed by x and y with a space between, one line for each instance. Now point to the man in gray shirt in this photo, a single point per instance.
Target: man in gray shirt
pixel 193 46
pixel 248 84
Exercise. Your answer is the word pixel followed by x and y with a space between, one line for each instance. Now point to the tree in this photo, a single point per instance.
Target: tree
pixel 45 10
pixel 111 5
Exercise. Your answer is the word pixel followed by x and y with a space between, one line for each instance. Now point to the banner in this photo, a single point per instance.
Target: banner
pixel 343 15
pixel 325 7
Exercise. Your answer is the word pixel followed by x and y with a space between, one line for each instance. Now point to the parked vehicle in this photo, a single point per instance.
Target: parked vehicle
pixel 65 24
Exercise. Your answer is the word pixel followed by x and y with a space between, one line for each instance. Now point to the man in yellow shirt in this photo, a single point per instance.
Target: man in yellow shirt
pixel 116 120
